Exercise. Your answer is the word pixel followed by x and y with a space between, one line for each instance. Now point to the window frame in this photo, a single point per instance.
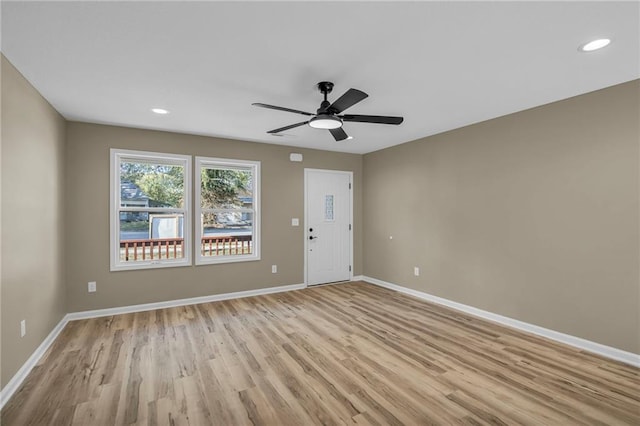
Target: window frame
pixel 201 162
pixel 117 157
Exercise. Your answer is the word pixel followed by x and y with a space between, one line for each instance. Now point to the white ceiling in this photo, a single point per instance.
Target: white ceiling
pixel 441 65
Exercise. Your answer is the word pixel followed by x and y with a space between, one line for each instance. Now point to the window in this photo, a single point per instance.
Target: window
pixel 227 210
pixel 150 210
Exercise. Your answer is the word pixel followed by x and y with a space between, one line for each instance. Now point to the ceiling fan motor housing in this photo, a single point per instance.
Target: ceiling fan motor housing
pixel 324 106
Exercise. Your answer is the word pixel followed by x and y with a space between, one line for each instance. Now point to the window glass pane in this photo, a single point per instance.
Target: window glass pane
pixel 328 208
pixel 151 221
pixel 151 235
pixel 228 210
pixel 227 233
pixel 145 185
pixel 226 188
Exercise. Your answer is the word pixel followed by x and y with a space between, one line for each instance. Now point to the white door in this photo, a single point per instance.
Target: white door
pixel 328 226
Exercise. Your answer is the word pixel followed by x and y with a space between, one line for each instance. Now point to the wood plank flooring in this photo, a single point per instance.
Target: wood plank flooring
pixel 343 354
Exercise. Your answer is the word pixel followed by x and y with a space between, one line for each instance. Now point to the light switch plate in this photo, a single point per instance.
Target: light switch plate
pixel 295 221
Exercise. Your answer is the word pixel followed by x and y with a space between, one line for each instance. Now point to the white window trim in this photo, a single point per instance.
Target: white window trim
pixel 117 155
pixel 225 162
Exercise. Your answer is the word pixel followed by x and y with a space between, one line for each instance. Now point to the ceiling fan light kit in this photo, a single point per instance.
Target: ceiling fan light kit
pixel 325 121
pixel 326 117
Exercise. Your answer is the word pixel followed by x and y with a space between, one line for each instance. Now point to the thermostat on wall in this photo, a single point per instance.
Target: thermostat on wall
pixel 295 157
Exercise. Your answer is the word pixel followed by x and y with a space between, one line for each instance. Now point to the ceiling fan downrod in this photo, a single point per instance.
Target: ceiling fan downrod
pixel 325 87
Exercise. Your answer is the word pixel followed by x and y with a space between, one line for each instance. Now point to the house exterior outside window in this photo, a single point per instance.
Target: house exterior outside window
pixel 150 223
pixel 227 210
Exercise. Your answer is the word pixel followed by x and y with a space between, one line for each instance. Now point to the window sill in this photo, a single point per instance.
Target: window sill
pixel 149 265
pixel 229 259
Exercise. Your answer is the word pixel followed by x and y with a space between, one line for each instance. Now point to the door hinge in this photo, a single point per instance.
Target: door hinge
pixel 349 185
pixel 349 268
pixel 349 227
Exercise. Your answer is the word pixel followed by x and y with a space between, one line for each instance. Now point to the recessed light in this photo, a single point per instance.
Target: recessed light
pixel 595 45
pixel 159 111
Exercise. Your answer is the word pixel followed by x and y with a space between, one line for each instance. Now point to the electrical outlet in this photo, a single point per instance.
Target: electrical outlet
pixel 23 328
pixel 416 271
pixel 274 269
pixel 91 286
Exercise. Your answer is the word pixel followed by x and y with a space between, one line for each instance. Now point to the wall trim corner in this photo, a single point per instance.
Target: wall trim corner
pixel 12 386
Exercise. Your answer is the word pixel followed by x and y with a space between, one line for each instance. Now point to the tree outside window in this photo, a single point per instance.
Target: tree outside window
pixel 227 206
pixel 150 219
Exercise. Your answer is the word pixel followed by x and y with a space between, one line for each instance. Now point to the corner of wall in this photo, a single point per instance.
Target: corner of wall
pixel 32 287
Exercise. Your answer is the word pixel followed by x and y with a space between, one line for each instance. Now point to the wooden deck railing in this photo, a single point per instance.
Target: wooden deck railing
pixel 159 248
pixel 173 248
pixel 220 245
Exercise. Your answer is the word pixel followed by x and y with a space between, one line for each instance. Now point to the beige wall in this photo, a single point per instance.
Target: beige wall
pixel 32 287
pixel 533 216
pixel 87 225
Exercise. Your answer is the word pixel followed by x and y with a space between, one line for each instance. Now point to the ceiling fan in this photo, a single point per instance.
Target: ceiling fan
pixel 326 117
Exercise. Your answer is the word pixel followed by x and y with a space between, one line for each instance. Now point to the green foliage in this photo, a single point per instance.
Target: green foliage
pixel 137 225
pixel 221 188
pixel 163 184
pixel 165 189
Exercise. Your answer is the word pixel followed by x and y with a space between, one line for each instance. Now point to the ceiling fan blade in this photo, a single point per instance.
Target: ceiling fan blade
pixel 380 119
pixel 339 134
pixel 347 100
pixel 282 129
pixel 281 108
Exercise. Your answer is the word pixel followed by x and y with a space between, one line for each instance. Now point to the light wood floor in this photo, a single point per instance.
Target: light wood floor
pixel 342 354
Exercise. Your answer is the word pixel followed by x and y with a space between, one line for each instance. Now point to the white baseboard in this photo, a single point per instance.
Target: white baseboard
pixel 31 362
pixel 577 342
pixel 21 374
pixel 181 302
pixel 597 348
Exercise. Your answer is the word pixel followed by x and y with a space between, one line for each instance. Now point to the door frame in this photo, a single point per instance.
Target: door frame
pixel 306 227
